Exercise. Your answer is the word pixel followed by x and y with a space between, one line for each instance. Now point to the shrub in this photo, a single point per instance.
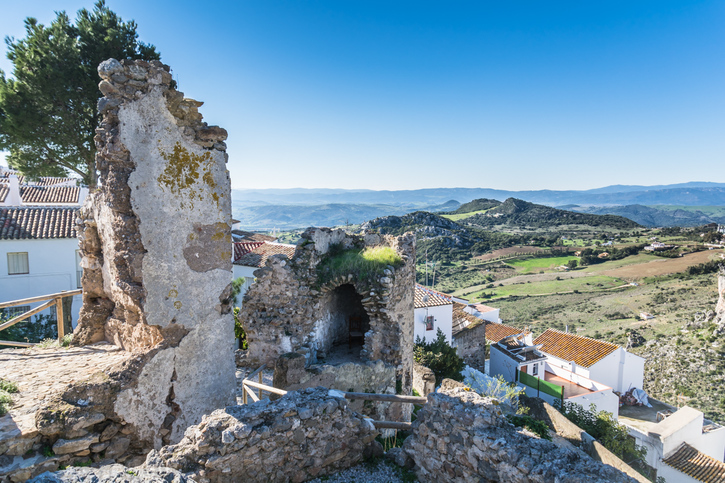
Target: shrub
pixel 602 426
pixel 439 357
pixel 536 426
pixel 6 388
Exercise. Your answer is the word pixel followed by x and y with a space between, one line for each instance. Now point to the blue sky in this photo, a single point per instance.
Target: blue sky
pixel 406 95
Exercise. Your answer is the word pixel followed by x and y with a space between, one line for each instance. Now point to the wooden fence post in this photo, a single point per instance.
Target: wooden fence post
pixel 59 317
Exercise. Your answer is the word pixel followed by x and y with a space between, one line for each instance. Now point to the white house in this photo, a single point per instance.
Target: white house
pixel 596 360
pixel 433 310
pixel 568 368
pixel 249 256
pixel 38 254
pixel 681 444
pixel 484 312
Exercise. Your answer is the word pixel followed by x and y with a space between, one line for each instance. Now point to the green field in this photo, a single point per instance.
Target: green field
pixel 594 283
pixel 461 216
pixel 538 264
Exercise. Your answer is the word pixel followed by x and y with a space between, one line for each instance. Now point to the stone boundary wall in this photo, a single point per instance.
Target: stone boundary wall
pixel 470 344
pixel 291 374
pixel 460 436
pixel 544 411
pixel 424 380
pixel 300 436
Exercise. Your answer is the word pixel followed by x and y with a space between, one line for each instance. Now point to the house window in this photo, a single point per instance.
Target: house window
pixel 535 370
pixel 79 269
pixel 18 263
pixel 429 322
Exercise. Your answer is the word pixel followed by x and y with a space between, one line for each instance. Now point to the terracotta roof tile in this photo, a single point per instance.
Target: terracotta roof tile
pixel 463 320
pixel 4 190
pixel 434 298
pixel 50 194
pixel 569 347
pixel 249 236
pixel 697 465
pixel 257 257
pixel 496 332
pixel 483 308
pixel 242 248
pixel 48 181
pixel 18 223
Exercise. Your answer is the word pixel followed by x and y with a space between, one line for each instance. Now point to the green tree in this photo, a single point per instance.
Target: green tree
pixel 439 357
pixel 572 264
pixel 48 109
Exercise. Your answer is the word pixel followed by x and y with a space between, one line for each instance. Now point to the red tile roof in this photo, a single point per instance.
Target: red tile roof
pixel 426 297
pixel 697 465
pixel 569 347
pixel 462 320
pixel 242 248
pixel 50 194
pixel 48 181
pixel 17 223
pixel 4 190
pixel 483 308
pixel 257 256
pixel 496 332
pixel 249 236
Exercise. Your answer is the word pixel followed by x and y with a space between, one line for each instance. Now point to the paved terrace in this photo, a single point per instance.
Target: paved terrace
pixel 42 372
pixel 642 417
pixel 571 389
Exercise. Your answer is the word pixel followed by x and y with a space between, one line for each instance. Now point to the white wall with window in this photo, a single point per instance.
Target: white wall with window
pixel 429 319
pixel 29 268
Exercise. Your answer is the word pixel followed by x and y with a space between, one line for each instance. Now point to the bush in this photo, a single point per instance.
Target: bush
pixel 537 427
pixel 439 357
pixel 602 426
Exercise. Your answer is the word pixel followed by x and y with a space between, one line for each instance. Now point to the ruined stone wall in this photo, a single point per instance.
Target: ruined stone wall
pixel 156 244
pixel 424 380
pixel 288 308
pixel 301 436
pixel 470 345
pixel 378 377
pixel 460 436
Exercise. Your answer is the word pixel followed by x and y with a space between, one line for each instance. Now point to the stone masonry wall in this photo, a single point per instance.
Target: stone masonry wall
pixel 470 345
pixel 460 436
pixel 288 308
pixel 291 374
pixel 156 244
pixel 300 436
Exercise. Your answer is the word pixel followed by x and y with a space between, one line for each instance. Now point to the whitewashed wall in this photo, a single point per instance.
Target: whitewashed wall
pixel 443 315
pixel 52 265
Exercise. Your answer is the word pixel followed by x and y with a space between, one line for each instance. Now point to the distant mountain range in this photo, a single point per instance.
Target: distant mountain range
pixel 298 208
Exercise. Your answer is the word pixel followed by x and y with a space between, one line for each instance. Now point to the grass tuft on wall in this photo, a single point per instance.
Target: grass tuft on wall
pixel 363 264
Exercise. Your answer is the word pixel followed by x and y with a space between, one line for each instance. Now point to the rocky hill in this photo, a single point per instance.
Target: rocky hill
pixel 519 213
pixel 690 365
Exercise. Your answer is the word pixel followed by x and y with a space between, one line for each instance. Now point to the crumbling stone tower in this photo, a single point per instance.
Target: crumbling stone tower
pixel 156 244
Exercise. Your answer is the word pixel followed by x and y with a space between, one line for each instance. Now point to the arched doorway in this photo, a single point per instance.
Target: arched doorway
pixel 347 324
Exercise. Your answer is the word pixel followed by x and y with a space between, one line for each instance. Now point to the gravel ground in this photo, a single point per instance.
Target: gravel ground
pixel 382 472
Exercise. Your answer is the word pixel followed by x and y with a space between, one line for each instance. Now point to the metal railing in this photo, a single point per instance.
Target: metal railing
pixel 51 300
pixel 248 387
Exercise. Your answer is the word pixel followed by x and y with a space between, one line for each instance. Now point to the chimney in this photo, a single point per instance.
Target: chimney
pixel 13 197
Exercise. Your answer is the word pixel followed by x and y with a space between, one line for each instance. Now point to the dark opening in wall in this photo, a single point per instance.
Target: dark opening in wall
pixel 348 320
